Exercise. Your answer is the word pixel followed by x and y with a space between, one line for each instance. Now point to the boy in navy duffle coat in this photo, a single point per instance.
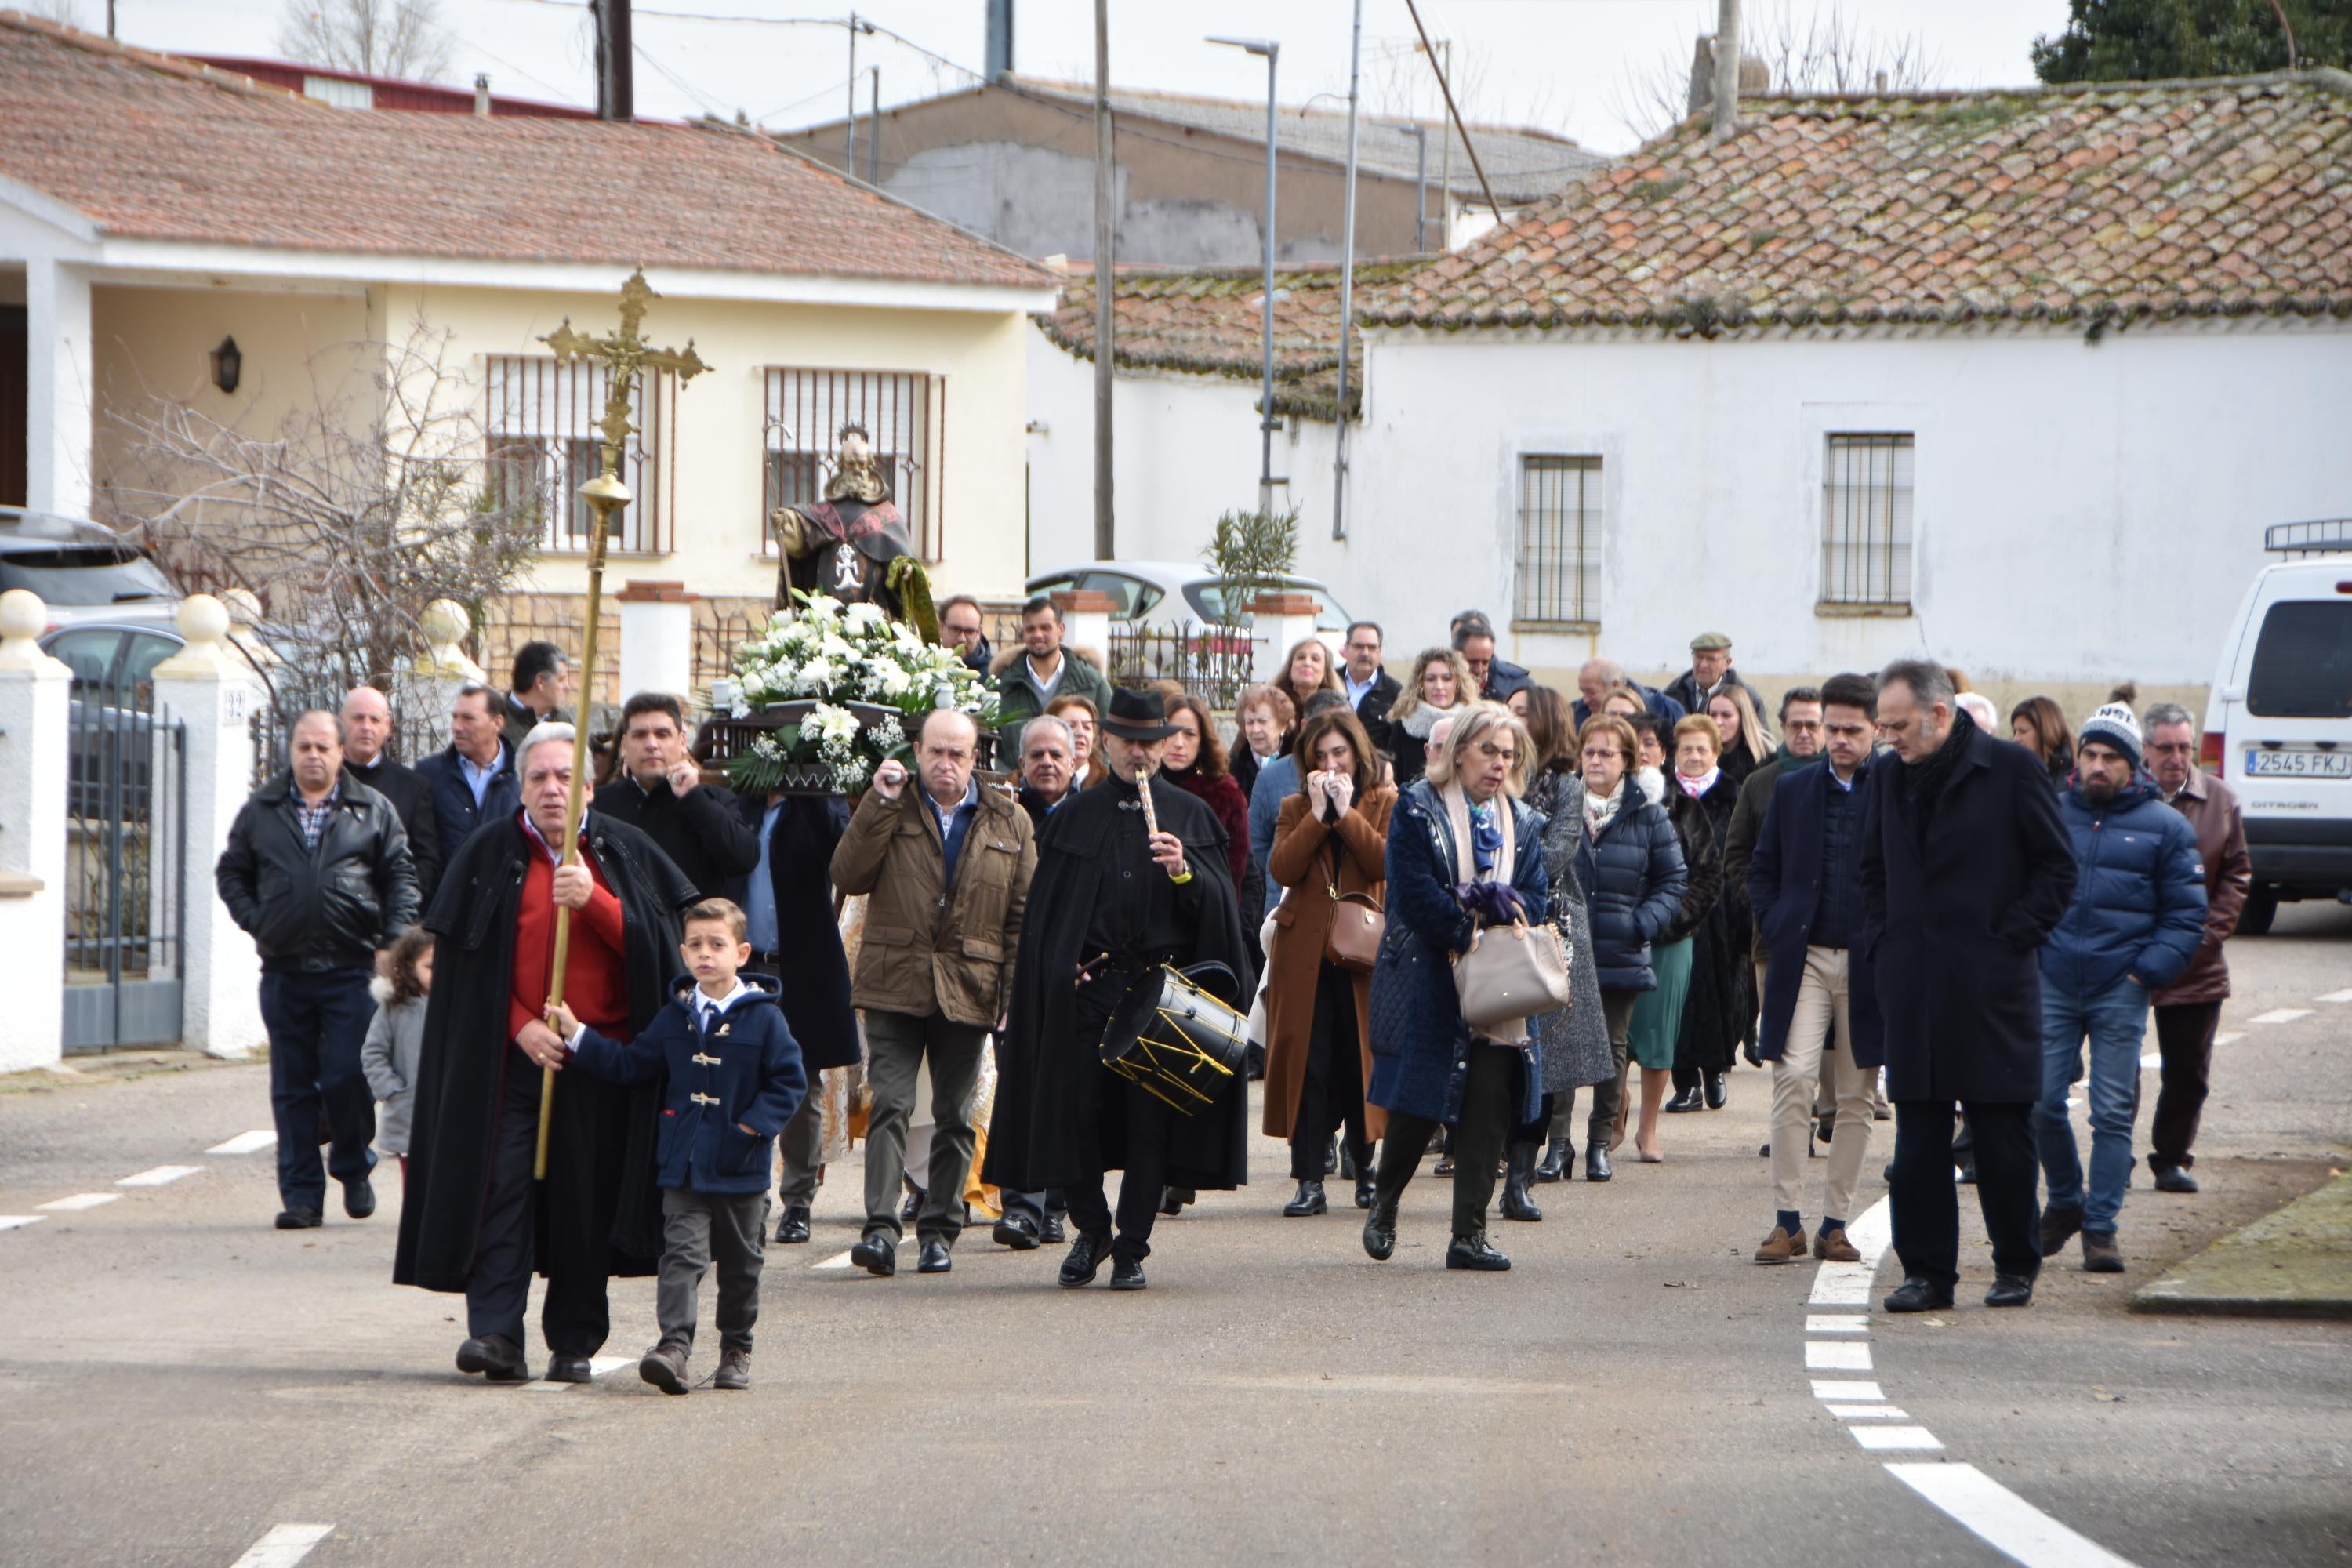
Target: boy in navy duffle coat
pixel 734 1080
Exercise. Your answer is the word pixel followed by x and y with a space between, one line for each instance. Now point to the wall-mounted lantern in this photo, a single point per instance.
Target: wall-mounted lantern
pixel 229 364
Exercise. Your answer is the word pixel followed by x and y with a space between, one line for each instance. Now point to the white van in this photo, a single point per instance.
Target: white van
pixel 2278 725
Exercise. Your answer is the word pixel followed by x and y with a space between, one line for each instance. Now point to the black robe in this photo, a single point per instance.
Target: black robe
pixel 1043 1057
pixel 599 1211
pixel 1719 1011
pixel 815 977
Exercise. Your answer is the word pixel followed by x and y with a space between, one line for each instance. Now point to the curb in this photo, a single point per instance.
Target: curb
pixel 2294 1262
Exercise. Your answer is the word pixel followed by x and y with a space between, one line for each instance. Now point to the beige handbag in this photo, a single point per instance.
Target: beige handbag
pixel 1509 974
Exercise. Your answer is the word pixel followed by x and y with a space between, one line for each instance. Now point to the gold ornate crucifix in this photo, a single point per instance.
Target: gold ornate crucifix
pixel 622 355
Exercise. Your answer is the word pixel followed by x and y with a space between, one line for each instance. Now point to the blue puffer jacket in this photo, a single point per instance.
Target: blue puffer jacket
pixel 1420 1045
pixel 1633 879
pixel 2140 897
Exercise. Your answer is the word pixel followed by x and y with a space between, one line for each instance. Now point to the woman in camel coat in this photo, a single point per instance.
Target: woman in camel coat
pixel 1330 839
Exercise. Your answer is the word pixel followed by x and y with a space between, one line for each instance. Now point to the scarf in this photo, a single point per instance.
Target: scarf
pixel 1422 720
pixel 1600 811
pixel 1697 787
pixel 1924 780
pixel 1487 842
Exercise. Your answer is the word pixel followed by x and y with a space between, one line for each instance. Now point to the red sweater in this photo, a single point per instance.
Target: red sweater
pixel 595 981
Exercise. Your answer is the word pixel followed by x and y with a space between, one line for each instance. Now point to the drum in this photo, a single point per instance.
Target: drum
pixel 1175 1041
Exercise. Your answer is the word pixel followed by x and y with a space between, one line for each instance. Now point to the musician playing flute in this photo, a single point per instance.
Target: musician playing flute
pixel 1129 877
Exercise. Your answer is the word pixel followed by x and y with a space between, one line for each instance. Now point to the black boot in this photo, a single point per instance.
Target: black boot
pixel 1517 1205
pixel 1558 1156
pixel 1716 1090
pixel 1685 1100
pixel 1309 1200
pixel 1331 1154
pixel 1380 1227
pixel 1472 1252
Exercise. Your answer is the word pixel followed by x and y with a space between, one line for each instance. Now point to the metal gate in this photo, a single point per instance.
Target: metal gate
pixel 126 863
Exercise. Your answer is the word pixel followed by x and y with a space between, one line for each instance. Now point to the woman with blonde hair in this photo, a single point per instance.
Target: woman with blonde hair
pixel 1441 684
pixel 1747 745
pixel 1463 852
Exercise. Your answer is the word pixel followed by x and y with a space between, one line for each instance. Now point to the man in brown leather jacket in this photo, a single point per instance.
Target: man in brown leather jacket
pixel 2189 1010
pixel 946 865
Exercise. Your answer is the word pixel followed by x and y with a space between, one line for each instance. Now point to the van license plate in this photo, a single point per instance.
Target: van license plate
pixel 2299 765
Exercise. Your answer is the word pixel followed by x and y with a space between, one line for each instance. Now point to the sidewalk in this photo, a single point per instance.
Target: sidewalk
pixel 2296 1262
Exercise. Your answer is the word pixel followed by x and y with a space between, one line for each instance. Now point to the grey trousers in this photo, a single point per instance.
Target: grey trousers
pixel 696 1227
pixel 896 1046
pixel 801 1144
pixel 1609 1094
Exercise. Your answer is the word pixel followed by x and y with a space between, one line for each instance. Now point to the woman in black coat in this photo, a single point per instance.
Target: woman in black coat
pixel 1720 1010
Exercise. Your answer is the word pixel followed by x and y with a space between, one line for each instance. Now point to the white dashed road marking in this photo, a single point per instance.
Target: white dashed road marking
pixel 80 1201
pixel 1824 1355
pixel 1827 1389
pixel 1890 1439
pixel 18 1221
pixel 2281 1015
pixel 1837 1323
pixel 839 1260
pixel 159 1176
pixel 2152 1059
pixel 245 1143
pixel 2001 1518
pixel 1866 1413
pixel 2231 1038
pixel 2336 997
pixel 284 1546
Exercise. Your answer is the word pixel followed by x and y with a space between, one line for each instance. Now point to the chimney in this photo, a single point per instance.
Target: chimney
pixel 615 73
pixel 482 94
pixel 1000 39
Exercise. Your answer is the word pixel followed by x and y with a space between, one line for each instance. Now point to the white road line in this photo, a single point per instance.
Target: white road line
pixel 1896 1439
pixel 2335 996
pixel 1837 1323
pixel 1830 1388
pixel 159 1175
pixel 2230 1038
pixel 2281 1015
pixel 18 1221
pixel 80 1201
pixel 839 1260
pixel 1866 1413
pixel 2002 1519
pixel 1823 1356
pixel 285 1545
pixel 601 1365
pixel 1843 1284
pixel 2152 1059
pixel 245 1143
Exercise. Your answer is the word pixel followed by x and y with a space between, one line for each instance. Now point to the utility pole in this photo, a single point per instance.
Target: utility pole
pixel 1726 123
pixel 1444 56
pixel 615 73
pixel 873 142
pixel 1105 533
pixel 1346 287
pixel 849 120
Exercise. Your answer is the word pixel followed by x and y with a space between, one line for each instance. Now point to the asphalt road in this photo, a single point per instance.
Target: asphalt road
pixel 178 1381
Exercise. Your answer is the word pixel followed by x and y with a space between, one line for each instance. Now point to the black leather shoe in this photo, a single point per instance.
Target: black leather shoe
pixel 300 1219
pixel 496 1357
pixel 1380 1229
pixel 934 1257
pixel 1918 1295
pixel 1174 1199
pixel 1363 1189
pixel 1309 1200
pixel 1053 1232
pixel 1558 1156
pixel 359 1198
pixel 877 1252
pixel 2058 1228
pixel 2011 1290
pixel 1127 1273
pixel 912 1207
pixel 1331 1154
pixel 1472 1252
pixel 2173 1179
pixel 1685 1100
pixel 794 1227
pixel 1716 1090
pixel 1084 1261
pixel 570 1368
pixel 1596 1164
pixel 1013 1231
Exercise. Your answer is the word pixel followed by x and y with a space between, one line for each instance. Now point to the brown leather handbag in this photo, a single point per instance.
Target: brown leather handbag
pixel 1358 924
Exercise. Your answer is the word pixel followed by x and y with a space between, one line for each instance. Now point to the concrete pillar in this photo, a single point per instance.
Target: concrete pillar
pixel 33 698
pixel 59 373
pixel 658 640
pixel 1086 621
pixel 1279 623
pixel 429 685
pixel 208 686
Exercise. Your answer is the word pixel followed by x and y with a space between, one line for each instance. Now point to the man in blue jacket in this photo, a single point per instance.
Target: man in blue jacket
pixel 2136 921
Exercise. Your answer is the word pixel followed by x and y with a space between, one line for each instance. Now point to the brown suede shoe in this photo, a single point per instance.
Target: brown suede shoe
pixel 1831 1247
pixel 734 1370
pixel 1781 1246
pixel 664 1366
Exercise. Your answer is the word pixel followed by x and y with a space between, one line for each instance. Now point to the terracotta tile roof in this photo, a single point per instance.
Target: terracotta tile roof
pixel 2112 202
pixel 153 148
pixel 1207 321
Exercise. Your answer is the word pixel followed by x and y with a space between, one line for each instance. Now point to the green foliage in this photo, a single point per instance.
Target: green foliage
pixel 2151 40
pixel 1251 554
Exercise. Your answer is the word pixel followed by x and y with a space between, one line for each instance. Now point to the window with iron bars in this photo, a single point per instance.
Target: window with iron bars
pixel 543 446
pixel 904 415
pixel 1560 541
pixel 1867 521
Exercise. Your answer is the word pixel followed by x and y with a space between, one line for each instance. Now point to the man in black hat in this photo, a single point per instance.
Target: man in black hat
pixel 1111 901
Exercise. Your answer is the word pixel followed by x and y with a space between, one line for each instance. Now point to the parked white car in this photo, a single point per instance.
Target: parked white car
pixel 1168 594
pixel 83 571
pixel 2278 725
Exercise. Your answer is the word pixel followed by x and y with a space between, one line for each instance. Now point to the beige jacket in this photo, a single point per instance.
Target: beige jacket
pixel 927 948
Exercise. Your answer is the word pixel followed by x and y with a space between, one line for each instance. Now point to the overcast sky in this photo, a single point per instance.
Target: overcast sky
pixel 1566 64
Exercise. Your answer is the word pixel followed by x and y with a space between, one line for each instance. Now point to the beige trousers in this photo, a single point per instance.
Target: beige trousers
pixel 1821 1001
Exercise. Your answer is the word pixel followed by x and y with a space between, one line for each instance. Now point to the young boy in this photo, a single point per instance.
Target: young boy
pixel 734 1079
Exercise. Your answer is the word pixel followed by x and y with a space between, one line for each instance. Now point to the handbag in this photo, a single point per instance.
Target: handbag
pixel 1508 974
pixel 1358 924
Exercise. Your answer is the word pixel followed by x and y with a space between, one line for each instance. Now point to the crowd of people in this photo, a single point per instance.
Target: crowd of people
pixel 1865 891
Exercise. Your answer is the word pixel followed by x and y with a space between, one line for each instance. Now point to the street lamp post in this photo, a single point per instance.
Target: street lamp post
pixel 1272 50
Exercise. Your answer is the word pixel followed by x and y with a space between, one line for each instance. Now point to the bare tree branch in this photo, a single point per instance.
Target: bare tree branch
pixel 373 37
pixel 1825 51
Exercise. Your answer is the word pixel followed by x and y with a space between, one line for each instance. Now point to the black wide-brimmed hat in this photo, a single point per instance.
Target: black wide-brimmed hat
pixel 1137 715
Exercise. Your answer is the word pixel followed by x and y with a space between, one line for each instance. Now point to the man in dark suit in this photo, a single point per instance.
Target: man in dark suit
pixel 472 779
pixel 542 677
pixel 1370 688
pixel 367 733
pixel 660 792
pixel 1966 868
pixel 795 939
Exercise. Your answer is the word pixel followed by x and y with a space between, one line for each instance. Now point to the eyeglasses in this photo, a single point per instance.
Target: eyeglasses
pixel 1502 754
pixel 2170 748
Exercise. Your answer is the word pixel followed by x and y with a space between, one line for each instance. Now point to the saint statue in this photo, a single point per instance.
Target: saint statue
pixel 853 545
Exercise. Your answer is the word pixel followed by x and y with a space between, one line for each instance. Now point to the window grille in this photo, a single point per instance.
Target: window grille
pixel 544 446
pixel 1867 521
pixel 904 415
pixel 1560 540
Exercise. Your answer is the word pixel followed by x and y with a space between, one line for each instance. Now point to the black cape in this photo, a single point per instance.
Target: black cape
pixel 598 1211
pixel 1041 1061
pixel 814 966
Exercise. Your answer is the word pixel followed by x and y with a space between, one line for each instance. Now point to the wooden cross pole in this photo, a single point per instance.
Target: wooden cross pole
pixel 621 356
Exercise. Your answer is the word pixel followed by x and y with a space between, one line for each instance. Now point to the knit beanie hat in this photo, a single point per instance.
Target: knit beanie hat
pixel 2112 725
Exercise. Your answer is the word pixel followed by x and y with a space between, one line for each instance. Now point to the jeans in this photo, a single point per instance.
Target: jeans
pixel 317 1024
pixel 2115 1020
